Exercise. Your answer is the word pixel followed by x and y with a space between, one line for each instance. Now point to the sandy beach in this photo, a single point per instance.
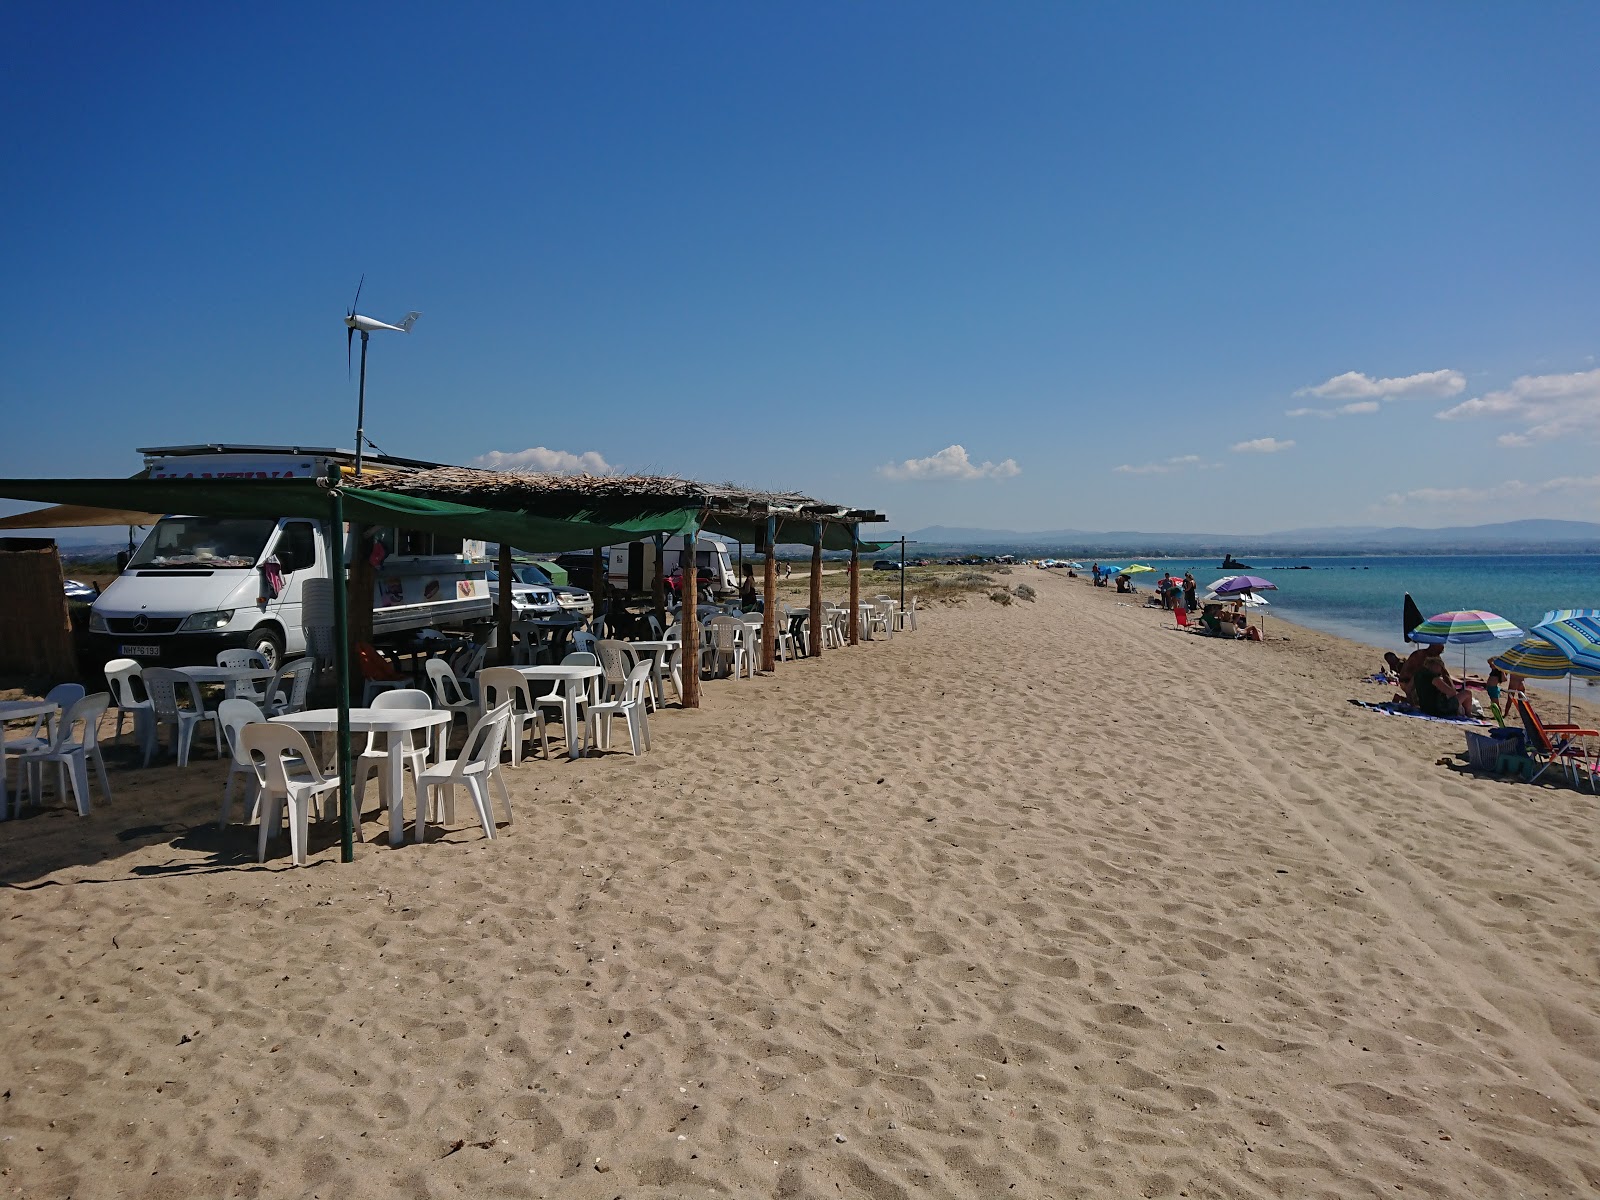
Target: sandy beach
pixel 1044 900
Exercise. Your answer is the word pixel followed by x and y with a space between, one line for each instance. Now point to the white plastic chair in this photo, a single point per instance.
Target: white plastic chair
pixel 234 714
pixel 450 693
pixel 506 685
pixel 583 641
pixel 906 618
pixel 466 666
pixel 290 776
pixel 63 696
pixel 478 762
pixel 71 755
pixel 374 759
pixel 162 686
pixel 631 706
pixel 728 637
pixel 287 690
pixel 243 689
pixel 120 674
pixel 553 698
pixel 617 659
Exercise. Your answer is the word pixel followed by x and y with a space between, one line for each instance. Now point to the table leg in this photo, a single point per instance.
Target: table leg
pixel 397 791
pixel 5 801
pixel 569 714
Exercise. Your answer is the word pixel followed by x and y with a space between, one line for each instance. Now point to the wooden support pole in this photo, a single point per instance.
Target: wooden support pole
pixel 855 585
pixel 691 628
pixel 599 585
pixel 814 642
pixel 503 608
pixel 359 596
pixel 769 600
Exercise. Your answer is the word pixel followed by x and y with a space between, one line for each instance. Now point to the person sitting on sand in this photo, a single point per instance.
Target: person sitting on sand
pixel 1437 694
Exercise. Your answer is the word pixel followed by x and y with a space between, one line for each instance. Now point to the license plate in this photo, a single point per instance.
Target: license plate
pixel 134 651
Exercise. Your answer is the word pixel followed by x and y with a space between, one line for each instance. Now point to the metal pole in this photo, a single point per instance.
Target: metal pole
pixel 361 403
pixel 902 573
pixel 347 827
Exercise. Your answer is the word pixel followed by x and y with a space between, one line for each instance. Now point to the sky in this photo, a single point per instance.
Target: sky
pixel 1235 268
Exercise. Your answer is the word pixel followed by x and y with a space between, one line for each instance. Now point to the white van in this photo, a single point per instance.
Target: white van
pixel 198 585
pixel 631 567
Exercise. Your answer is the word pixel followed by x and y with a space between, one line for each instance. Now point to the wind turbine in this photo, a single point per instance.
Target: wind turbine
pixel 354 321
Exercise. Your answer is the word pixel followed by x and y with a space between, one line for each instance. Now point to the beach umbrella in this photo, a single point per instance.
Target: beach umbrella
pixel 1539 659
pixel 1243 583
pixel 1248 599
pixel 1576 637
pixel 1410 617
pixel 1464 628
pixel 1136 569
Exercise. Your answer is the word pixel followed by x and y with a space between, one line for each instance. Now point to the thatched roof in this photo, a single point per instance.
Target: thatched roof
pixel 523 490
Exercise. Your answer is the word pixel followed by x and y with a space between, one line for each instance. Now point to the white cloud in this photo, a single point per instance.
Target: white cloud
pixel 1549 407
pixel 1262 446
pixel 1326 414
pixel 1166 466
pixel 1359 406
pixel 542 461
pixel 950 463
pixel 1573 488
pixel 1353 385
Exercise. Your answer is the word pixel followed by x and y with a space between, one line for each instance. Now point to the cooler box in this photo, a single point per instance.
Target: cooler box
pixel 1484 749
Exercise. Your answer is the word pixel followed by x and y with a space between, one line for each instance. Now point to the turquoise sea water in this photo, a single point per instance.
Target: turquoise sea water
pixel 1360 598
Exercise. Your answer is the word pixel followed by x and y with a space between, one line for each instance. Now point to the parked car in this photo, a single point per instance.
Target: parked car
pixel 527 600
pixel 884 564
pixel 573 599
pixel 81 591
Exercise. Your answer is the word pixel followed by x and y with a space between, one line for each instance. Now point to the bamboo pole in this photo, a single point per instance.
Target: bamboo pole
pixel 691 624
pixel 814 642
pixel 769 601
pixel 503 607
pixel 855 584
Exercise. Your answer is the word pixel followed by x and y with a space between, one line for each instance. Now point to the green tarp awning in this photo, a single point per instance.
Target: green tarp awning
pixel 578 530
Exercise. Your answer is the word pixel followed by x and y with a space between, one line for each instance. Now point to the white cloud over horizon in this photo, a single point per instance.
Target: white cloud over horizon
pixel 1549 407
pixel 1469 502
pixel 952 462
pixel 1353 385
pixel 1177 462
pixel 543 461
pixel 1264 445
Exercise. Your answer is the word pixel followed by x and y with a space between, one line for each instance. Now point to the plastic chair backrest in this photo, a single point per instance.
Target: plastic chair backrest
pixel 234 715
pixel 584 641
pixel 271 748
pixel 162 684
pixel 482 747
pixel 120 675
pixel 374 665
pixel 447 689
pixel 63 696
pixel 725 631
pixel 638 681
pixel 241 658
pixel 1538 736
pixel 503 686
pixel 404 699
pixel 580 658
pixel 616 659
pixel 655 626
pixel 299 674
pixel 85 711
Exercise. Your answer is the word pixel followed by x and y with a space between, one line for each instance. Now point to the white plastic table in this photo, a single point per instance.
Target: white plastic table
pixel 378 720
pixel 572 679
pixel 16 710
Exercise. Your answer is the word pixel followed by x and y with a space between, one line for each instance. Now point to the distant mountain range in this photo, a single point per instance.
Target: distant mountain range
pixel 1531 537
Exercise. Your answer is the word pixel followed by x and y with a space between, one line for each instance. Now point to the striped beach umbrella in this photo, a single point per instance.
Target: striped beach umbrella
pixel 1576 637
pixel 1539 659
pixel 1463 629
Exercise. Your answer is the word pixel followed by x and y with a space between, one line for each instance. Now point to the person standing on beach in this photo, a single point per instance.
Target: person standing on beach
pixel 1190 591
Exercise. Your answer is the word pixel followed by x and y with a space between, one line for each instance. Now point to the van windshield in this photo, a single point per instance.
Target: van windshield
pixel 217 542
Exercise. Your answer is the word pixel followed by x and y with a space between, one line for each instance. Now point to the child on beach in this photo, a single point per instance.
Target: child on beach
pixel 1491 689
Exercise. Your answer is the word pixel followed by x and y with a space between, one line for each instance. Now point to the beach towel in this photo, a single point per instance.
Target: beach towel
pixel 1391 709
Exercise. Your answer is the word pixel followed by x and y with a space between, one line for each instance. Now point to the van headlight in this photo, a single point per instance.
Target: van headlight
pixel 97 623
pixel 201 622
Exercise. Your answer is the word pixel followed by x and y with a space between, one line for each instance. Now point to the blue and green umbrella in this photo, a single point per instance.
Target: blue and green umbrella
pixel 1538 659
pixel 1463 629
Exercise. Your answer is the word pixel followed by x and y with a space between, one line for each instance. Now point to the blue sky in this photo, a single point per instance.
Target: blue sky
pixel 1029 266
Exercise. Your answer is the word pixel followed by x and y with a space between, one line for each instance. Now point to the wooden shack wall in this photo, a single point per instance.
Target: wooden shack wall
pixel 35 628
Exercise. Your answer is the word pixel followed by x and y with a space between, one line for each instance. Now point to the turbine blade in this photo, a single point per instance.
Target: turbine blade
pixel 357 300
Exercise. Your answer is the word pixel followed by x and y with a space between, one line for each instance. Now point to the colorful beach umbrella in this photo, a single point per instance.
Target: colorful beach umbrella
pixel 1464 628
pixel 1136 569
pixel 1539 659
pixel 1576 637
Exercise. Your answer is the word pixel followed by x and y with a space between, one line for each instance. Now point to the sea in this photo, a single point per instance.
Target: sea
pixel 1360 598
